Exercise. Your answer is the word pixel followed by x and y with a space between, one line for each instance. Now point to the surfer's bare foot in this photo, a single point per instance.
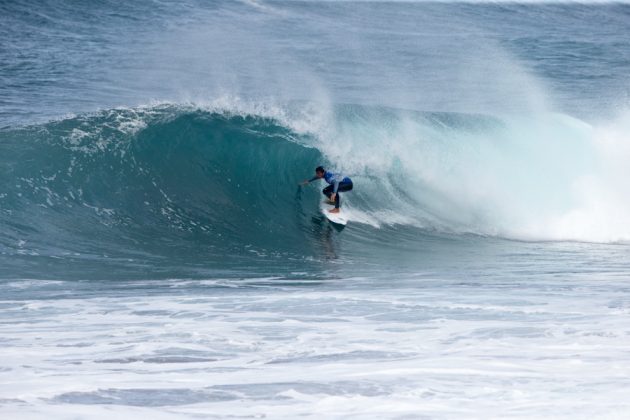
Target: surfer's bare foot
pixel 333 211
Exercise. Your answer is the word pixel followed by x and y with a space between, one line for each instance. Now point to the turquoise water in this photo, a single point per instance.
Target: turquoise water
pixel 158 257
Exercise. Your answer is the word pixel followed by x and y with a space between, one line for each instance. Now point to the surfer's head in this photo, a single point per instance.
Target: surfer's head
pixel 319 171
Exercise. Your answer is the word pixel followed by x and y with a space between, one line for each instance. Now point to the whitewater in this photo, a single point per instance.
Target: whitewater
pixel 158 257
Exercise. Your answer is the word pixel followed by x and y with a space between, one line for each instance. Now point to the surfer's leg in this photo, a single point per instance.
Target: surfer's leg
pixel 328 191
pixel 343 186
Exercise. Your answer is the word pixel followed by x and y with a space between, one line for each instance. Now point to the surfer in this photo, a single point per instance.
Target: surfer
pixel 337 183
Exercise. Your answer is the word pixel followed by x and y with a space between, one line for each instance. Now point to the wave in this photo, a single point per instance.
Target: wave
pixel 145 181
pixel 209 184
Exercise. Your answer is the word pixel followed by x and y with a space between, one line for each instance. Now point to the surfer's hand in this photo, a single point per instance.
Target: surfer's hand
pixel 304 182
pixel 333 196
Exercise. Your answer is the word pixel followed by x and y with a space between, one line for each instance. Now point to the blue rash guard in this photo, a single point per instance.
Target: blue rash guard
pixel 333 179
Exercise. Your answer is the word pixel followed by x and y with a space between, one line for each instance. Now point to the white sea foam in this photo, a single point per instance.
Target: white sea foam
pixel 420 347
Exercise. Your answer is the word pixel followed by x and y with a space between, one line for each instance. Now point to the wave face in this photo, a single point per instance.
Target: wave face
pixel 158 182
pixel 219 188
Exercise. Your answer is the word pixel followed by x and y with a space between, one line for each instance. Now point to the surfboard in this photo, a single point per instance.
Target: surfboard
pixel 338 218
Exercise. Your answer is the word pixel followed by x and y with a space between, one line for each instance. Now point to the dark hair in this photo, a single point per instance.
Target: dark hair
pixel 320 169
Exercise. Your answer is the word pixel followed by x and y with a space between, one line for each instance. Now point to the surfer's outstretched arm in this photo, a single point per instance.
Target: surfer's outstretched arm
pixel 307 181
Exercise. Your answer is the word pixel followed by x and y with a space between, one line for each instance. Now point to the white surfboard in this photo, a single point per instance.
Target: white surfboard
pixel 338 218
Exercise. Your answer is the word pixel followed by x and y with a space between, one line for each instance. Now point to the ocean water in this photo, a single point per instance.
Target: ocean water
pixel 158 258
